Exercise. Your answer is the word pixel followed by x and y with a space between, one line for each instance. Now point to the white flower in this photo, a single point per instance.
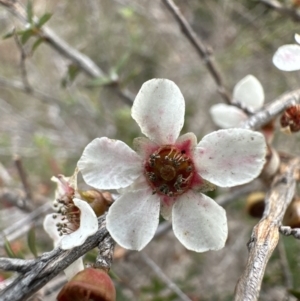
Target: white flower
pixel 75 221
pixel 50 227
pixel 287 57
pixel 249 94
pixel 167 174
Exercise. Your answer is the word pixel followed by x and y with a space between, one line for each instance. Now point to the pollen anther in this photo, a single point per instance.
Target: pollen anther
pixel 169 171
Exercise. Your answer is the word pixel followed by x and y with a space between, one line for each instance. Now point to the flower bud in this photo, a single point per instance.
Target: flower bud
pixel 292 214
pixel 99 201
pixel 255 204
pixel 89 284
pixel 290 119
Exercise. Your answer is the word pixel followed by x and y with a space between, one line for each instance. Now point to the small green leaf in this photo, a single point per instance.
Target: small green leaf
pixel 31 241
pixel 45 18
pixel 36 44
pixel 295 293
pixel 29 11
pixel 121 63
pixel 9 34
pixel 9 251
pixel 100 82
pixel 26 35
pixel 73 71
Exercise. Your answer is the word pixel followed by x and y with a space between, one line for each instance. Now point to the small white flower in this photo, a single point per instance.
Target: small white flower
pixel 50 227
pixel 287 57
pixel 75 220
pixel 167 174
pixel 249 94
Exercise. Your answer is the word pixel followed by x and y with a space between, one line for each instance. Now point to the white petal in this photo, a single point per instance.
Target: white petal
pixel 249 92
pixel 109 164
pixel 186 142
pixel 230 157
pixel 199 222
pixel 49 225
pixel 88 226
pixel 139 184
pixel 144 146
pixel 166 208
pixel 287 57
pixel 297 38
pixel 159 110
pixel 226 116
pixel 133 219
pixel 74 268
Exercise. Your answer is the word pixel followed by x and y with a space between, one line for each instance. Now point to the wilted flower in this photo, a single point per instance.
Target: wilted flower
pixel 287 57
pixel 89 284
pixel 75 220
pixel 248 93
pixel 168 174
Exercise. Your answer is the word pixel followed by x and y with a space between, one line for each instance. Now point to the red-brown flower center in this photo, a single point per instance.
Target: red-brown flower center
pixel 169 171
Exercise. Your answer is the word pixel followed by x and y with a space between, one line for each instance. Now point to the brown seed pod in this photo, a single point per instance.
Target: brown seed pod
pixel 89 284
pixel 255 204
pixel 99 201
pixel 292 214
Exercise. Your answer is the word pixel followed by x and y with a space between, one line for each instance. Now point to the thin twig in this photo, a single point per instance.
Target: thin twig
pixel 23 64
pixel 265 234
pixel 238 192
pixel 19 86
pixel 204 51
pixel 271 111
pixel 82 61
pixel 16 265
pixel 22 226
pixel 163 277
pixel 23 177
pixel 292 12
pixel 46 267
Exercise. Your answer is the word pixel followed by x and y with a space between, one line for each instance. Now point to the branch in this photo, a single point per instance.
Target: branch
pixel 292 12
pixel 16 265
pixel 204 52
pixel 271 111
pixel 265 234
pixel 22 226
pixel 22 88
pixel 81 60
pixel 163 277
pixel 40 271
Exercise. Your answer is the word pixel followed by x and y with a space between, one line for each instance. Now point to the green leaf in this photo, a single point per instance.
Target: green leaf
pixel 26 35
pixel 31 241
pixel 45 18
pixel 9 251
pixel 100 81
pixel 295 293
pixel 73 71
pixel 36 44
pixel 121 63
pixel 9 34
pixel 29 11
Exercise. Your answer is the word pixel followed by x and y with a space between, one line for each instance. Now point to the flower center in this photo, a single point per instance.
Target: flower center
pixel 70 216
pixel 169 171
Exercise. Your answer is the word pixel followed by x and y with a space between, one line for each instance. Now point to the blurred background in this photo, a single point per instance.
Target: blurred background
pixel 50 110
